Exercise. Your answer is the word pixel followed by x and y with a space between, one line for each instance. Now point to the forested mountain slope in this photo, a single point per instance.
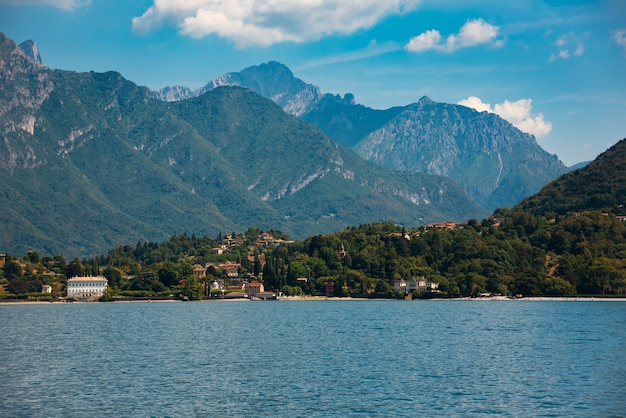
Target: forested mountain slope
pixel 91 160
pixel 600 185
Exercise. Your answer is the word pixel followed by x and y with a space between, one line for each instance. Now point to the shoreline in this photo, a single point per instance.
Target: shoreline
pixel 326 298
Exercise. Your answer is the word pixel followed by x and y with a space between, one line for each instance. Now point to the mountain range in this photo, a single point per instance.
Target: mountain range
pixel 89 161
pixel 496 163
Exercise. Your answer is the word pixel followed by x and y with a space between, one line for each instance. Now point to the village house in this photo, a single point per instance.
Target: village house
pixel 232 270
pixel 254 288
pixel 229 268
pixel 200 272
pixel 443 226
pixel 406 235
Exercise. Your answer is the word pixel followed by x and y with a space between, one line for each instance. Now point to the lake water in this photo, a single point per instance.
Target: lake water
pixel 314 358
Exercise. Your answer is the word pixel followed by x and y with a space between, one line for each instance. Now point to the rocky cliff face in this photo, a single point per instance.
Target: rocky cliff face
pixel 272 80
pixel 174 94
pixel 25 85
pixel 498 164
pixel 32 51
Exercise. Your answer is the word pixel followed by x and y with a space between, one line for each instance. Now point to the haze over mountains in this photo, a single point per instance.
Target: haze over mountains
pixel 89 161
pixel 497 163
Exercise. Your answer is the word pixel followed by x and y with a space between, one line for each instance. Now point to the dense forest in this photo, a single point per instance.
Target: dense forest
pixel 510 253
pixel 568 239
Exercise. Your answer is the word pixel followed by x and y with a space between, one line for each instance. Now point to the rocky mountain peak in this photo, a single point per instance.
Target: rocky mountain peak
pixel 423 102
pixel 31 50
pixel 271 80
pixel 348 99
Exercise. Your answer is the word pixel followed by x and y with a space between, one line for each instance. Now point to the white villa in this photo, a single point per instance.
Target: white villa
pixel 90 288
pixel 414 284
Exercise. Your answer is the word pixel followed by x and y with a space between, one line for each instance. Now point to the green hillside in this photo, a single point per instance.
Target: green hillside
pixel 89 161
pixel 601 185
pixel 514 252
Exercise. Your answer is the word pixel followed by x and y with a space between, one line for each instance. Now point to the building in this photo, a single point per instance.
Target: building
pixel 416 284
pixel 87 288
pixel 329 288
pixel 46 288
pixel 254 288
pixel 200 272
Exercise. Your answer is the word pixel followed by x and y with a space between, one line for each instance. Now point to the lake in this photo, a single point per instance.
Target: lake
pixel 314 359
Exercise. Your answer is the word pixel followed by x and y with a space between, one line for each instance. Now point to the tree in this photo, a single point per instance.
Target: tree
pixel 33 256
pixel 555 286
pixel 114 276
pixel 169 274
pixel 35 285
pixel 74 269
pixel 147 281
pixel 383 288
pixel 18 286
pixel 12 269
pixel 257 266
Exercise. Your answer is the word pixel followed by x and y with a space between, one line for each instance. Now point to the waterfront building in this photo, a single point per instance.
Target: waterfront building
pixel 86 288
pixel 254 288
pixel 415 284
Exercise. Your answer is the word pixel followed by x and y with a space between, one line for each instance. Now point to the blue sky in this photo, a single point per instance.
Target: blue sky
pixel 553 68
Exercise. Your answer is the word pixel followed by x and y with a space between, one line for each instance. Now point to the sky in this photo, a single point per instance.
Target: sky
pixel 553 68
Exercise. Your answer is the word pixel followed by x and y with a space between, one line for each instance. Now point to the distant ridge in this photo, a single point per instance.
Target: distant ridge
pixel 496 163
pixel 600 185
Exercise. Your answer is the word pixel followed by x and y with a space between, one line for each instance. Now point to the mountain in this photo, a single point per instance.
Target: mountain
pixel 272 80
pixel 344 120
pixel 579 165
pixel 600 185
pixel 89 161
pixel 31 49
pixel 496 163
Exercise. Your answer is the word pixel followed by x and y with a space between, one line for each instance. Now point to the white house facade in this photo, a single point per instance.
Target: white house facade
pixel 415 284
pixel 90 288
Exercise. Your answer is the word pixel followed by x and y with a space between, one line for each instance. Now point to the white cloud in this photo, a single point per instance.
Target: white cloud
pixel 563 54
pixel 472 33
pixel 619 36
pixel 427 40
pixel 372 50
pixel 580 49
pixel 477 104
pixel 61 4
pixel 265 22
pixel 568 45
pixel 518 113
